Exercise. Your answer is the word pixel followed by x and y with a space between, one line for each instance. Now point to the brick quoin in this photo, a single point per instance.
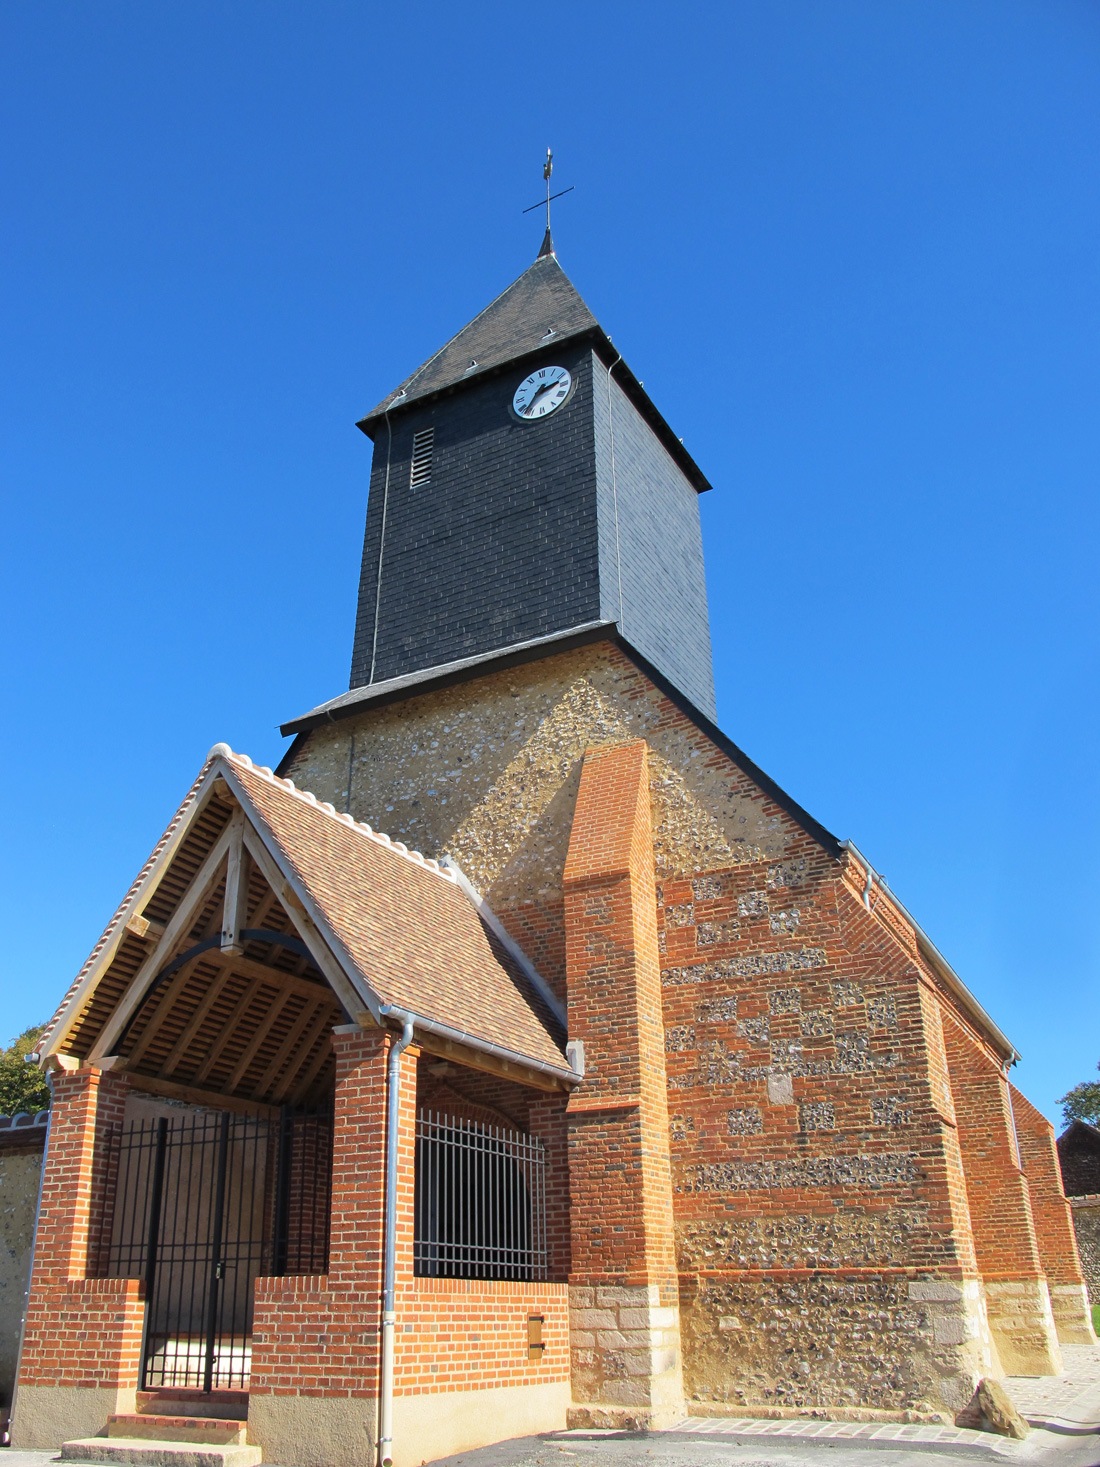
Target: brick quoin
pixel 626 1357
pixel 81 1332
pixel 1053 1223
pixel 1005 1241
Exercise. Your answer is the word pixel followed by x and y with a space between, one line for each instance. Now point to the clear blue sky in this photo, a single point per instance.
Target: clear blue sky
pixel 852 248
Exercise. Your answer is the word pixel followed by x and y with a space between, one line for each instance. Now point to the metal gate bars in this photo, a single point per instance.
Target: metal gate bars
pixel 204 1204
pixel 480 1201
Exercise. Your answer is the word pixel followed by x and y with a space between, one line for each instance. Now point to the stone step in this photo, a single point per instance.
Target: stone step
pixel 117 1451
pixel 178 1401
pixel 220 1431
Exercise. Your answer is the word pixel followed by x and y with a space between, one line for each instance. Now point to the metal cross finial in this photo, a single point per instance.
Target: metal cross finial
pixel 547 170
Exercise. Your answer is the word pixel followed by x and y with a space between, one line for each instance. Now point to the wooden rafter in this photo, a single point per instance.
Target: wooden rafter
pixel 198 1018
pixel 138 899
pixel 286 1049
pixel 292 982
pixel 175 935
pixel 233 1020
pixel 289 1080
pixel 304 1081
pixel 255 1044
pixel 167 1002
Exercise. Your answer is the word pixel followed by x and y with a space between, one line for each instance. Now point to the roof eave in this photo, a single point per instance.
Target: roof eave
pixel 939 963
pixel 460 672
pixel 607 353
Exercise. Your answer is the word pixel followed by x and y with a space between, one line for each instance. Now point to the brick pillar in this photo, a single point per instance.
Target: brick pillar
pixel 1053 1223
pixel 1016 1291
pixel 546 1120
pixel 81 1356
pixel 315 1345
pixel 625 1327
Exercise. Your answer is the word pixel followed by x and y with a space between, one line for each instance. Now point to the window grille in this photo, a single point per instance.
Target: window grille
pixel 480 1201
pixel 421 472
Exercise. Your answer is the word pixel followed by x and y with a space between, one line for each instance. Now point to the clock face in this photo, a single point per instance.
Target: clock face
pixel 541 394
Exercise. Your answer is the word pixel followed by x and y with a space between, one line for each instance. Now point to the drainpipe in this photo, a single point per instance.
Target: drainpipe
pixel 868 887
pixel 389 1275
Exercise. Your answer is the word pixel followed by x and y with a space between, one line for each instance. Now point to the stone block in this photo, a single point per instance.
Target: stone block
pixel 950 1330
pixel 935 1291
pixel 593 1319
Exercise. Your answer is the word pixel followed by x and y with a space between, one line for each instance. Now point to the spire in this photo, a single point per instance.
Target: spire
pixel 547 240
pixel 541 307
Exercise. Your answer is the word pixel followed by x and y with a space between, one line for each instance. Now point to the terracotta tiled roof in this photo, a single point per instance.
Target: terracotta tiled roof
pixel 407 932
pixel 415 938
pixel 124 910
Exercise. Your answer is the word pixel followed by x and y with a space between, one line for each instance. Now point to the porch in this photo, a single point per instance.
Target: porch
pixel 211 1245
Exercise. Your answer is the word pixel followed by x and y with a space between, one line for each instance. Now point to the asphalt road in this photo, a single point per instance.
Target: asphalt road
pixel 1042 1449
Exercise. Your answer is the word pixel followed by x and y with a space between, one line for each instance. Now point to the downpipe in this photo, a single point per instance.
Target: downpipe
pixel 389 1267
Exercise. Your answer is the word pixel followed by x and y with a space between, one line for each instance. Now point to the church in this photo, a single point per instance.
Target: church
pixel 518 1053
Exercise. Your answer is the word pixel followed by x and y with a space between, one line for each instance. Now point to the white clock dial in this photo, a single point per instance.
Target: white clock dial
pixel 540 394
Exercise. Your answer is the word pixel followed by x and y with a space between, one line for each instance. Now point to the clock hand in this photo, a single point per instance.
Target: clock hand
pixel 545 387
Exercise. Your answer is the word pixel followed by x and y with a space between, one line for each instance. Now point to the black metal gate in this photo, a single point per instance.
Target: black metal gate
pixel 204 1204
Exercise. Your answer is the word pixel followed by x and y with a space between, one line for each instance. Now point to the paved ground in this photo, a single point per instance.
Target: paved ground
pixel 1064 1412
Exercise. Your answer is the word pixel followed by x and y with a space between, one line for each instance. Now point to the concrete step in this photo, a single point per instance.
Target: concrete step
pixel 219 1431
pixel 116 1451
pixel 179 1401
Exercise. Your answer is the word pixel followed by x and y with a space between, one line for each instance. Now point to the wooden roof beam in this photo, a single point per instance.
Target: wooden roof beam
pixel 175 934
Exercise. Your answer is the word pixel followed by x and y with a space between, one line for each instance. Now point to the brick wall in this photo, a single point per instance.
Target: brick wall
pixel 318 1335
pixel 626 1348
pixel 80 1331
pixel 465 1335
pixel 1053 1222
pixel 821 1192
pixel 1005 1241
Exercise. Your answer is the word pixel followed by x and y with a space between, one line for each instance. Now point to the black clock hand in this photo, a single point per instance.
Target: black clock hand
pixel 545 387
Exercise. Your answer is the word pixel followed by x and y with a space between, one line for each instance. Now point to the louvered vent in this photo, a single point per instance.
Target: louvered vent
pixel 422 457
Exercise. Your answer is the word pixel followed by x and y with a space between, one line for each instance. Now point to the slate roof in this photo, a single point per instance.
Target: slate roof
pixel 402 927
pixel 540 308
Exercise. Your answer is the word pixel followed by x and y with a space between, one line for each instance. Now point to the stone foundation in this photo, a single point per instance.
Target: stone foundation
pixel 46 1415
pixel 885 1344
pixel 1022 1324
pixel 1072 1316
pixel 626 1358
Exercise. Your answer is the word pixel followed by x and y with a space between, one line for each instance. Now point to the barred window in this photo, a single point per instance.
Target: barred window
pixel 480 1202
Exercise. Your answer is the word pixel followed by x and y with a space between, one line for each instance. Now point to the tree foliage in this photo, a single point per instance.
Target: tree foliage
pixel 22 1086
pixel 1082 1103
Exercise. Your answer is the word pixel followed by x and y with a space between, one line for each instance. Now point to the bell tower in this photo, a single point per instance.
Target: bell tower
pixel 524 486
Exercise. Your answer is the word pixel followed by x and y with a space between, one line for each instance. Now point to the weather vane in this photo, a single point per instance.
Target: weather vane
pixel 547 170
